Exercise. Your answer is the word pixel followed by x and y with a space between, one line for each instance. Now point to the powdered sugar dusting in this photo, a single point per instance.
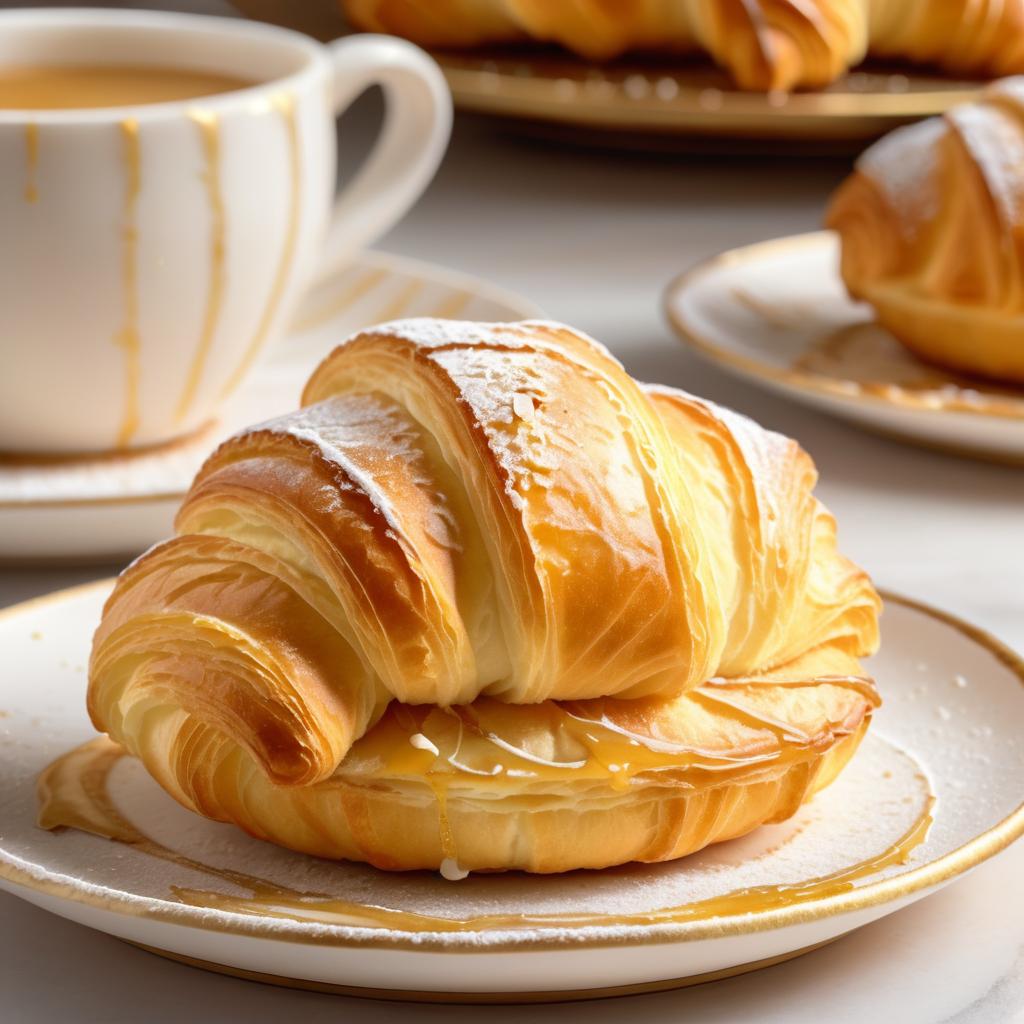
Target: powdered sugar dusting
pixel 903 165
pixel 995 141
pixel 356 432
pixel 430 333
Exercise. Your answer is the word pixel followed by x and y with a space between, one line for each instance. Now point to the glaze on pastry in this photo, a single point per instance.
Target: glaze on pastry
pixel 930 224
pixel 763 44
pixel 487 600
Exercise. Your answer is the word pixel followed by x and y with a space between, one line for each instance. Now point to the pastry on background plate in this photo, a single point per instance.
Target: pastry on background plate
pixel 931 224
pixel 763 44
pixel 487 603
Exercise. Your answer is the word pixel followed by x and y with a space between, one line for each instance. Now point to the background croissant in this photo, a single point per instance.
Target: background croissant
pixel 764 44
pixel 932 230
pixel 483 558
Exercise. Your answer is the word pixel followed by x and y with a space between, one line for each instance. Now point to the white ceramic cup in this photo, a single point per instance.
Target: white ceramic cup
pixel 148 254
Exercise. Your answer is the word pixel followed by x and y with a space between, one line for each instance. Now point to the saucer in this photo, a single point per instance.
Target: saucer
pixel 934 790
pixel 778 314
pixel 93 508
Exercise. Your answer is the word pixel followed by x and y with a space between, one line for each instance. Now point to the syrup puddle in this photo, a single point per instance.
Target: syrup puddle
pixel 867 357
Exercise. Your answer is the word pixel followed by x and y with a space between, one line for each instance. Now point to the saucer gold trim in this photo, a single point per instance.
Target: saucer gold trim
pixel 926 400
pixel 104 502
pixel 925 876
pixel 405 995
pixel 9 458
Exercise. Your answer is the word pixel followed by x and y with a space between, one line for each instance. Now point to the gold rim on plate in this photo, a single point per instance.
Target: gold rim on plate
pixel 872 894
pixel 916 400
pixel 407 995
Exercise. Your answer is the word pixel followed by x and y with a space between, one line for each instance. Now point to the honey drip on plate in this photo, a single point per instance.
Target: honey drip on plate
pixel 285 106
pixel 73 793
pixel 31 162
pixel 127 338
pixel 866 358
pixel 429 745
pixel 209 133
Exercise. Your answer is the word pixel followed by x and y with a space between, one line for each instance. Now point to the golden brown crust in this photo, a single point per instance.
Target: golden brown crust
pixel 547 787
pixel 764 44
pixel 783 44
pixel 597 29
pixel 479 569
pixel 930 225
pixel 973 38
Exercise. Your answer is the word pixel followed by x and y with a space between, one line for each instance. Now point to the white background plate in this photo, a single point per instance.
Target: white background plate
pixel 90 509
pixel 664 96
pixel 953 701
pixel 777 313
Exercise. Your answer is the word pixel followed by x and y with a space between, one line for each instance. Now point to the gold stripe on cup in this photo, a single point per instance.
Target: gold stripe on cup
pixel 453 305
pixel 31 163
pixel 285 105
pixel 209 131
pixel 127 338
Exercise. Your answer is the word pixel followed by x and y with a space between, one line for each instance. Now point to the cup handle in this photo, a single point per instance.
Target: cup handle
pixel 413 138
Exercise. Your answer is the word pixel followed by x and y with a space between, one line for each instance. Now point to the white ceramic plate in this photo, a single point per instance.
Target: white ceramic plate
pixel 952 725
pixel 93 508
pixel 778 313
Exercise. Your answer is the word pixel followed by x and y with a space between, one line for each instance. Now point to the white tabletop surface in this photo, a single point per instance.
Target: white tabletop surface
pixel 593 237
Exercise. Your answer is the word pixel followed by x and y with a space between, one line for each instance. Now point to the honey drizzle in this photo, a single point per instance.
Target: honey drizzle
pixel 407 759
pixel 867 360
pixel 613 755
pixel 285 106
pixel 620 755
pixel 127 338
pixel 209 132
pixel 859 684
pixel 31 163
pixel 74 793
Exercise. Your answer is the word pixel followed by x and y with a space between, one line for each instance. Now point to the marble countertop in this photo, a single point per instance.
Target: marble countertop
pixel 593 237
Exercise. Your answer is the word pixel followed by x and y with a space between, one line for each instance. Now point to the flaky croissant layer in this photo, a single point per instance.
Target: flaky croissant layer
pixel 764 44
pixel 494 518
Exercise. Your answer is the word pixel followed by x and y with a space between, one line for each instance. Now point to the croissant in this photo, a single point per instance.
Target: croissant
pixel 487 601
pixel 931 224
pixel 763 44
pixel 973 38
